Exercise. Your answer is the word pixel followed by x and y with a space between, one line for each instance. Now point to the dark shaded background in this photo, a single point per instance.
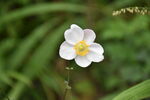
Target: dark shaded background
pixel 31 32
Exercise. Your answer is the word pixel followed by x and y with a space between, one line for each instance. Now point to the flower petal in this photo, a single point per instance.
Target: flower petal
pixel 74 34
pixel 74 26
pixel 92 56
pixel 97 48
pixel 89 36
pixel 96 52
pixel 66 51
pixel 82 61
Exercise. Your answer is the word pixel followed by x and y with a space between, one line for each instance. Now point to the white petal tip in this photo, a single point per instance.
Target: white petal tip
pixel 102 58
pixel 82 61
pixel 74 26
pixel 84 66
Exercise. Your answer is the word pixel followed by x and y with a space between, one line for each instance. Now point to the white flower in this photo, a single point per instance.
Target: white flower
pixel 79 45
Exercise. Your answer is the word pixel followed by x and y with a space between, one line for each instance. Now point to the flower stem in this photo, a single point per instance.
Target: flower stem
pixel 68 87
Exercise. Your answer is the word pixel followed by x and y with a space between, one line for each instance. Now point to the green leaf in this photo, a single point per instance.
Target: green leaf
pixel 40 59
pixel 137 92
pixel 40 9
pixel 5 79
pixel 6 45
pixel 51 81
pixel 26 46
pixel 20 77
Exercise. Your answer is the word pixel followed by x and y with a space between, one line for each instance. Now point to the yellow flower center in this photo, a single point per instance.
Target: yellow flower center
pixel 81 48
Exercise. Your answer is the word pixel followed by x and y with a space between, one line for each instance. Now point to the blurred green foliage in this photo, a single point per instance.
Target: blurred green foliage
pixel 31 32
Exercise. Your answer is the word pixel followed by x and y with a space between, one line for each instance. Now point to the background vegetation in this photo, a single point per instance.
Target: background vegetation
pixel 31 32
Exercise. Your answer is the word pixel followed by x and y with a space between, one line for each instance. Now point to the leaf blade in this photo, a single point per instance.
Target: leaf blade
pixel 137 92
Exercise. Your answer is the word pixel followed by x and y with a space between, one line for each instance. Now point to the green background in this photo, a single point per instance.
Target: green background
pixel 31 32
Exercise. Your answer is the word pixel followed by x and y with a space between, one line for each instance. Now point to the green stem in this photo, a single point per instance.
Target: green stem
pixel 68 87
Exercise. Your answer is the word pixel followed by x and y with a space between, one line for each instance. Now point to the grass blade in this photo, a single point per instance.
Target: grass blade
pixel 40 9
pixel 137 92
pixel 43 54
pixel 28 44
